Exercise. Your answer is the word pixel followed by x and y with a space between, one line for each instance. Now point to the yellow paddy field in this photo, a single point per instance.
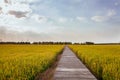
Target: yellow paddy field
pixel 102 60
pixel 24 62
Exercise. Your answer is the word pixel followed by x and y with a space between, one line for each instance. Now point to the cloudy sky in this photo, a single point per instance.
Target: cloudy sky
pixel 60 20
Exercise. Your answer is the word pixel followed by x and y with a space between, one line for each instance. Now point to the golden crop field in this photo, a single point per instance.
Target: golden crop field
pixel 103 60
pixel 24 62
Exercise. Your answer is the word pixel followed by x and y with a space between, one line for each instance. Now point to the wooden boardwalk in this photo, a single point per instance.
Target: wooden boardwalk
pixel 71 68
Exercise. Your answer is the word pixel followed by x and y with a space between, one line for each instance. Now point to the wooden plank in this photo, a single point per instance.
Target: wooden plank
pixel 71 68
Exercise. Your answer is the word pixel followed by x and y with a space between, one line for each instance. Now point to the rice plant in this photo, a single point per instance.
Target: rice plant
pixel 103 60
pixel 24 62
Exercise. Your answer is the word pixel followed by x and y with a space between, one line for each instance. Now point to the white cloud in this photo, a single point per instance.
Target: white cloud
pixel 7 19
pixel 116 4
pixel 111 13
pixel 20 1
pixel 19 13
pixel 81 18
pixel 14 12
pixel 106 17
pixel 99 18
pixel 0 10
pixel 62 20
pixel 16 6
pixel 39 18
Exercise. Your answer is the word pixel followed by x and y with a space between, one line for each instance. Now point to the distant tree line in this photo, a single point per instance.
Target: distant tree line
pixel 89 43
pixel 65 43
pixel 46 43
pixel 52 43
pixel 15 43
pixel 85 43
pixel 108 44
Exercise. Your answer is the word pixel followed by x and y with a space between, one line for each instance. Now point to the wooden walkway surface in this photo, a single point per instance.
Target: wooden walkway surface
pixel 71 68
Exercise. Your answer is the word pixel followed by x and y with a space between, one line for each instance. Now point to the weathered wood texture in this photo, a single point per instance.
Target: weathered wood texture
pixel 71 68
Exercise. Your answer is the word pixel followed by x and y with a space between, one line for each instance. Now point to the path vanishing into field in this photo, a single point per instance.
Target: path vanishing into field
pixel 71 68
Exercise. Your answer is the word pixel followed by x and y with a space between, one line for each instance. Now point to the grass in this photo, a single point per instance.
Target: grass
pixel 103 60
pixel 24 62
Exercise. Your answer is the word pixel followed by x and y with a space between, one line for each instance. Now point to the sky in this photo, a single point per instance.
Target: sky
pixel 60 20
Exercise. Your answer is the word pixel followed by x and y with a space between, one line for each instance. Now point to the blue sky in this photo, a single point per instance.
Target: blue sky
pixel 60 20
